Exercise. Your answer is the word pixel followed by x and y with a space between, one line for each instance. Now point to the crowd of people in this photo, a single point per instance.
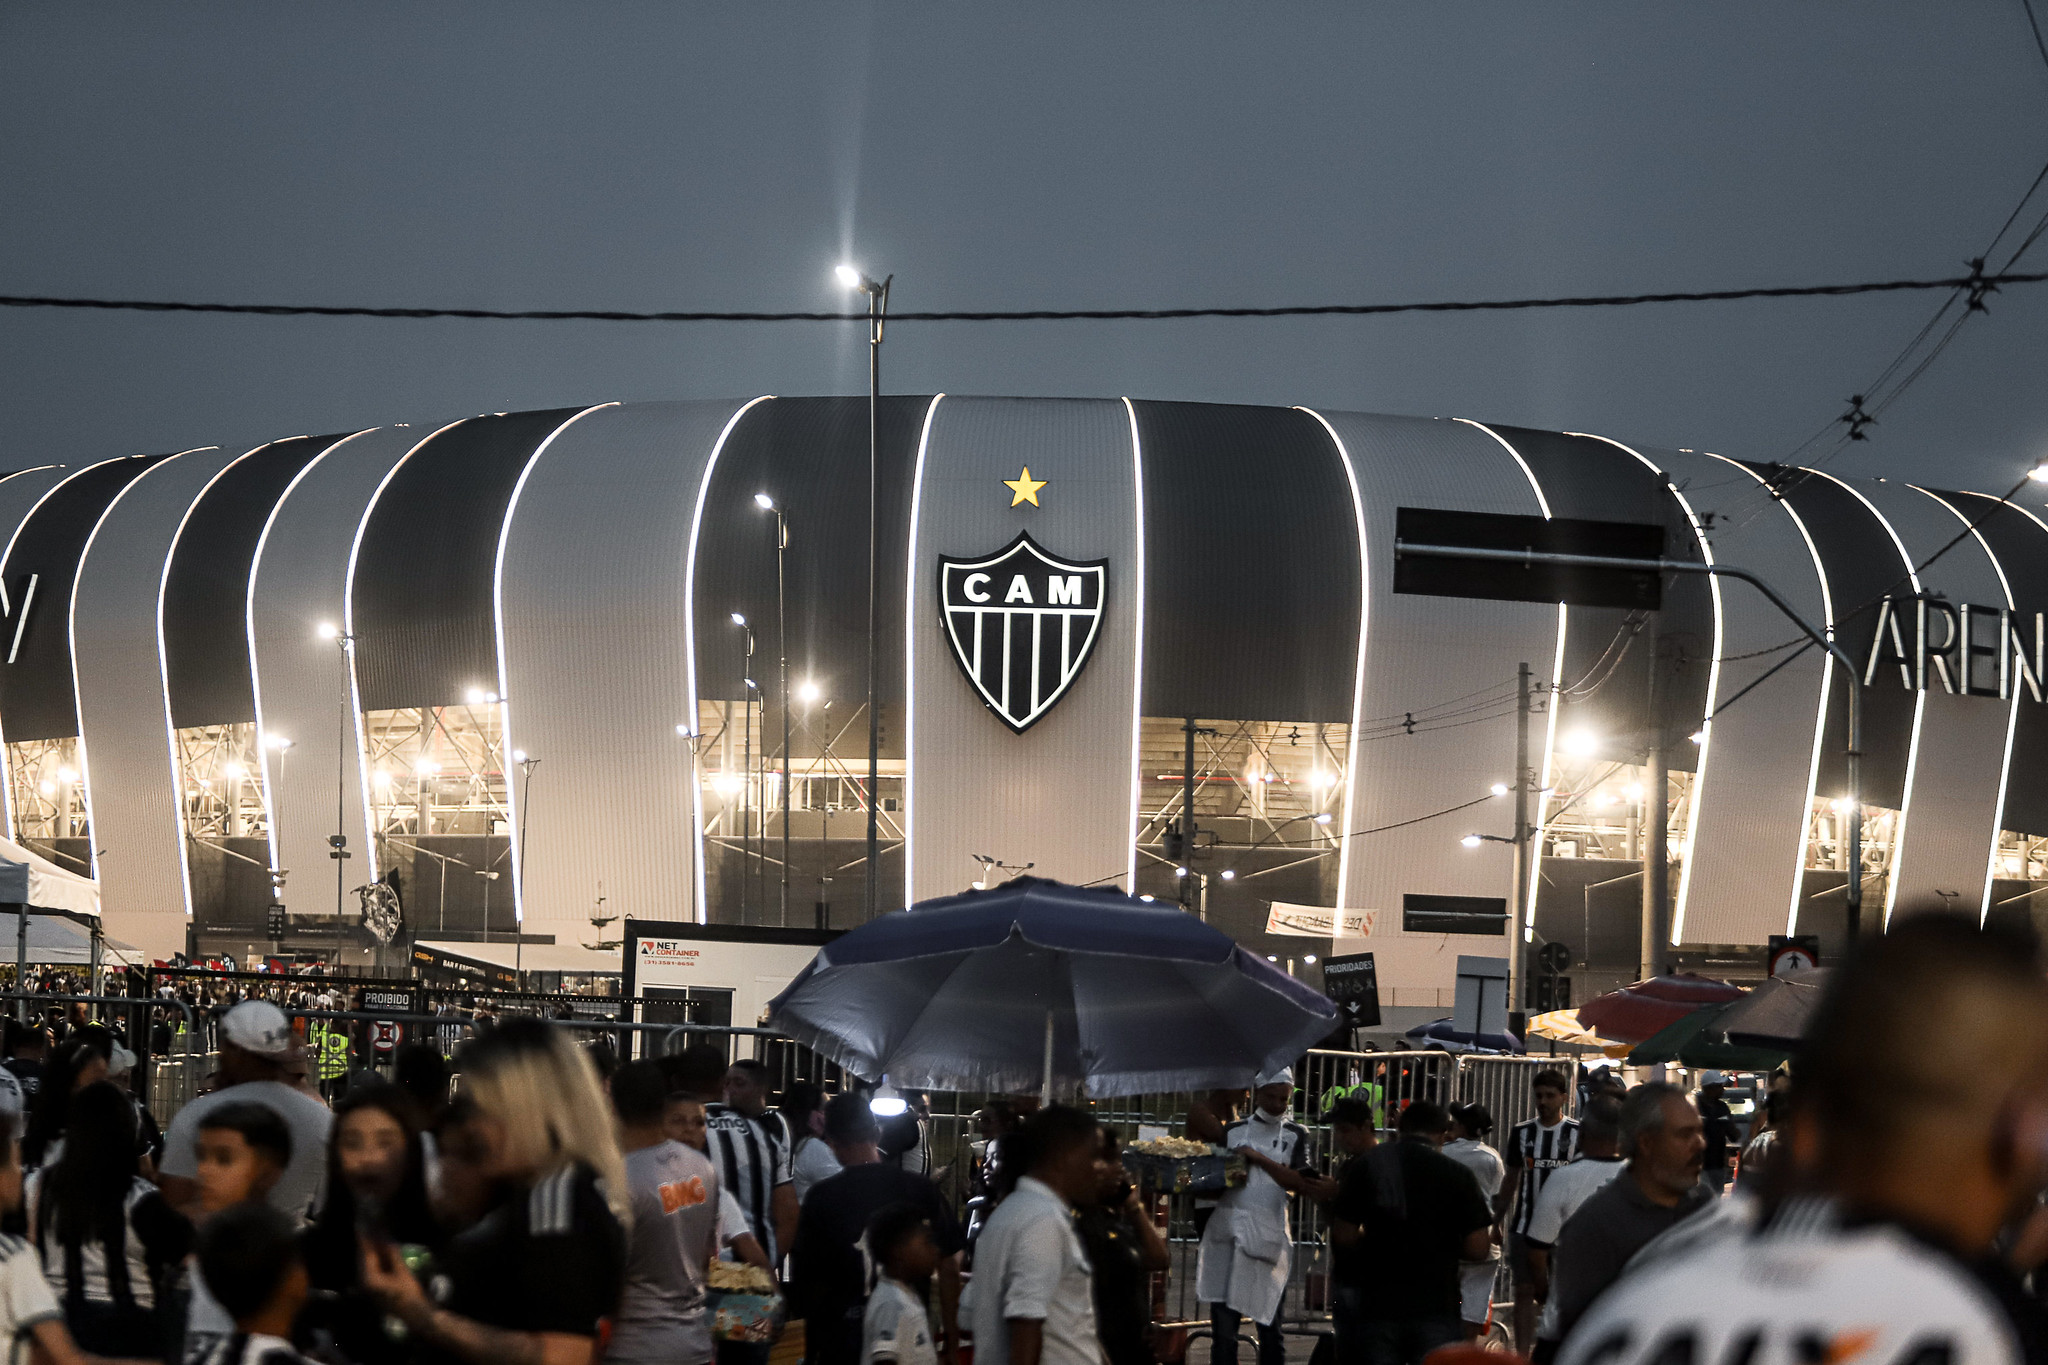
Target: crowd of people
pixel 556 1207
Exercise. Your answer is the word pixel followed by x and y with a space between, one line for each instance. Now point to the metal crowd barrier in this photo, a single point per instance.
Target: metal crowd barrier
pixel 171 1075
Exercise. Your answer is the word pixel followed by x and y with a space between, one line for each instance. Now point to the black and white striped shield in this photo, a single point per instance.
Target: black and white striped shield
pixel 1022 624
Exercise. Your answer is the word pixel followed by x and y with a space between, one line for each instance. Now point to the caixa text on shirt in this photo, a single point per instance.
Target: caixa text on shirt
pixel 1960 648
pixel 1683 1346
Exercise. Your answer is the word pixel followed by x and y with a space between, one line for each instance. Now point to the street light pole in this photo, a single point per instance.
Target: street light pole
pixel 878 309
pixel 527 764
pixel 782 651
pixel 746 759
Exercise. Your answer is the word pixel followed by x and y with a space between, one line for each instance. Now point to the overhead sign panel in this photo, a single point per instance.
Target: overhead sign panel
pixel 1505 580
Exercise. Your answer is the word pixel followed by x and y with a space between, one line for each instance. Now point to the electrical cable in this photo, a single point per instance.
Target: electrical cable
pixel 1975 280
pixel 2039 46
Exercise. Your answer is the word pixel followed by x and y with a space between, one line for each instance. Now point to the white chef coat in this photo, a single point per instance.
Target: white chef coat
pixel 1246 1249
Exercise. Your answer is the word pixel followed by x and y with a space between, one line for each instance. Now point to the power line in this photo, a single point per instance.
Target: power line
pixel 2033 24
pixel 1974 281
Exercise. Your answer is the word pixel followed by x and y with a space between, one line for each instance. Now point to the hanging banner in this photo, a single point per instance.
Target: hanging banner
pixel 1319 921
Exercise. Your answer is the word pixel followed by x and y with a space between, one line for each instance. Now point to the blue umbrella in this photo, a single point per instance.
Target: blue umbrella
pixel 1040 984
pixel 1452 1039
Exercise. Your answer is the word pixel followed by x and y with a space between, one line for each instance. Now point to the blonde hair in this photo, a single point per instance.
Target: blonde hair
pixel 544 1090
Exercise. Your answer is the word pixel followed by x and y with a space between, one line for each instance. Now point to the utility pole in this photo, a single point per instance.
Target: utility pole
pixel 1518 955
pixel 1656 822
pixel 1184 860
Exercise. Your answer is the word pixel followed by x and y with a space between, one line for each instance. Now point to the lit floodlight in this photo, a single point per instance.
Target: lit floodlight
pixel 279 743
pixel 1471 841
pixel 426 767
pixel 848 276
pixel 49 788
pixel 1698 736
pixel 808 692
pixel 1271 958
pixel 1229 874
pixel 2039 473
pixel 1499 789
pixel 1635 791
pixel 383 777
pixel 1180 872
pixel 1146 899
pixel 682 731
pixel 67 775
pixel 764 502
pixel 888 1102
pixel 1324 818
pixel 738 619
pixel 234 770
pixel 327 630
pixel 1309 958
pixel 519 755
pixel 1582 743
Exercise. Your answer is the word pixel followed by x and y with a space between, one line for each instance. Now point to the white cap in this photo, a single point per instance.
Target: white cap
pixel 258 1026
pixel 11 1101
pixel 1284 1076
pixel 120 1062
pixel 1713 1078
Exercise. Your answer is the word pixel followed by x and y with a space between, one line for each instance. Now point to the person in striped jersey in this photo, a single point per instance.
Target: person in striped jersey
pixel 1535 1148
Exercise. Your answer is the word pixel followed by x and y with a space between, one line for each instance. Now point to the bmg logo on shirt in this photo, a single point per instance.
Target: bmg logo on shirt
pixel 678 1195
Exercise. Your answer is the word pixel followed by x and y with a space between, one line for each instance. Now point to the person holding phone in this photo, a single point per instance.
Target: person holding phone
pixel 1125 1249
pixel 376 1192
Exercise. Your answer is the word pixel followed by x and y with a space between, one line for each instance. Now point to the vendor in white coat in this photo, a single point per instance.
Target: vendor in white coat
pixel 1246 1249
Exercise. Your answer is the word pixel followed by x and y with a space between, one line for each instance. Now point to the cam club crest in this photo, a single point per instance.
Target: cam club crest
pixel 1021 624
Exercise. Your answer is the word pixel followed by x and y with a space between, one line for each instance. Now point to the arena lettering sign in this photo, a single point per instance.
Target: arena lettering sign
pixel 1022 625
pixel 1963 649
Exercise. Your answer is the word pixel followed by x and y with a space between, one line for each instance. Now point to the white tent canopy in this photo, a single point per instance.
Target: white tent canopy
pixel 50 887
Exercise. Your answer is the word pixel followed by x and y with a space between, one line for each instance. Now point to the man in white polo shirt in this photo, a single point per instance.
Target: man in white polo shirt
pixel 1032 1301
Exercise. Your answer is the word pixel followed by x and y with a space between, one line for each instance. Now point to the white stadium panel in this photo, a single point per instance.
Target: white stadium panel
pixel 124 721
pixel 1446 657
pixel 1059 791
pixel 296 585
pixel 1954 773
pixel 1745 848
pixel 594 663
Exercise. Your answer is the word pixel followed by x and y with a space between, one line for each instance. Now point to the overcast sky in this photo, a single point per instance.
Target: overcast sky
pixel 723 156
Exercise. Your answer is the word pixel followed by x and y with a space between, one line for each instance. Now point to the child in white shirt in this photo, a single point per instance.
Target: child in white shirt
pixel 896 1328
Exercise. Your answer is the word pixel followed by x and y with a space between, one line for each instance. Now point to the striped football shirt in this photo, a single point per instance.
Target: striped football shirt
pixel 1536 1151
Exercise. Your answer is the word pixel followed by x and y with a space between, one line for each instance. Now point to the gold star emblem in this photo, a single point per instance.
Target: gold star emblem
pixel 1024 487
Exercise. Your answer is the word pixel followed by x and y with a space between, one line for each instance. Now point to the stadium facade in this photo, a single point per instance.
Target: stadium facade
pixel 220 659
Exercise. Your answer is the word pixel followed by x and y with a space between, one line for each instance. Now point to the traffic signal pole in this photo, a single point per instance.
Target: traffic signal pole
pixel 1853 681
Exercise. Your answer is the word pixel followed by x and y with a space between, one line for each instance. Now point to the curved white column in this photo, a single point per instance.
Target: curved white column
pixel 595 664
pixel 1060 794
pixel 1948 824
pixel 1745 841
pixel 128 752
pixel 1428 655
pixel 296 585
